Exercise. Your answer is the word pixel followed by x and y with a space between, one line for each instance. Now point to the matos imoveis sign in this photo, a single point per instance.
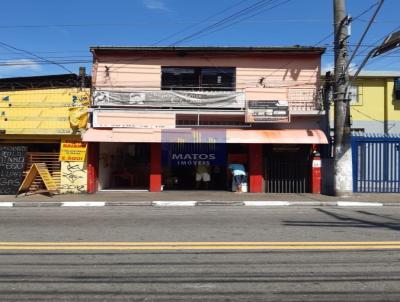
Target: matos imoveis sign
pixel 267 111
pixel 72 150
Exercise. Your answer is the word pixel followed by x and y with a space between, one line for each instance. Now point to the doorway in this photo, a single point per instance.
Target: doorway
pixel 194 166
pixel 124 166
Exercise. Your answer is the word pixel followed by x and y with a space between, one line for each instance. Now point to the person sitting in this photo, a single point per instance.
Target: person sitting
pixel 239 173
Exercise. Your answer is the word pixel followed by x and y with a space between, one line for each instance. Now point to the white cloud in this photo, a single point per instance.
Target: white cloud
pixel 156 5
pixel 12 66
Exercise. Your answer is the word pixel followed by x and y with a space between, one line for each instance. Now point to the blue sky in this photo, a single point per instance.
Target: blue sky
pixel 63 31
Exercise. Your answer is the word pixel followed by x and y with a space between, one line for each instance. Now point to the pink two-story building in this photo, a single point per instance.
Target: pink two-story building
pixel 158 113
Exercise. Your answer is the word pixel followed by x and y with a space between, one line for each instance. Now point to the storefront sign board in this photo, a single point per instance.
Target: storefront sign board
pixel 73 150
pixel 103 118
pixel 267 111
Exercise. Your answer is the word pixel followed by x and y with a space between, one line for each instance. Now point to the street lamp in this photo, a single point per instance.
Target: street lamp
pixel 392 41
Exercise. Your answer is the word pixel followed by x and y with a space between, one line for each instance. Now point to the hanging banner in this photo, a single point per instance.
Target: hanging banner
pixel 170 98
pixel 12 165
pixel 72 150
pixel 267 111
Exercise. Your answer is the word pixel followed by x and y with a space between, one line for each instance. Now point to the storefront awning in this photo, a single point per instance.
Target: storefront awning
pixel 194 135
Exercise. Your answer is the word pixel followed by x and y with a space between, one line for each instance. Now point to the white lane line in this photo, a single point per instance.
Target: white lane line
pixel 186 203
pixel 6 204
pixel 358 204
pixel 266 203
pixel 83 204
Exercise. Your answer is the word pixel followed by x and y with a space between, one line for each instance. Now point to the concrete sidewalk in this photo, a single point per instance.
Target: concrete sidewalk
pixel 199 198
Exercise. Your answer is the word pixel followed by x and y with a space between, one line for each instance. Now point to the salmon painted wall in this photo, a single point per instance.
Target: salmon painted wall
pixel 284 73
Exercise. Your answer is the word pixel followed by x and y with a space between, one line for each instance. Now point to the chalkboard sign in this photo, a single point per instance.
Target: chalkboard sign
pixel 12 165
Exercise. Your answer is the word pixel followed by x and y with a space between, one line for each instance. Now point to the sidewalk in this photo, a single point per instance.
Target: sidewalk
pixel 199 198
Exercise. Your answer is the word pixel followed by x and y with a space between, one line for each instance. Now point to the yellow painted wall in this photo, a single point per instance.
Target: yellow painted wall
pixel 371 100
pixel 40 111
pixel 374 93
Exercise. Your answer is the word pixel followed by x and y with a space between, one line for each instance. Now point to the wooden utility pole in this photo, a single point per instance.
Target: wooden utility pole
pixel 342 144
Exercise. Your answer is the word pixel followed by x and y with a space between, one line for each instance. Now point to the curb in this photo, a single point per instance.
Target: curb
pixel 192 203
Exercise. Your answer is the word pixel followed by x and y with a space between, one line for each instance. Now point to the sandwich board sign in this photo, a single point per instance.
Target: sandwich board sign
pixel 41 170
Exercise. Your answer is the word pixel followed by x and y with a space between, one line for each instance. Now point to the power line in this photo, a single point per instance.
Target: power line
pixel 240 20
pixel 198 23
pixel 5 45
pixel 249 9
pixel 66 62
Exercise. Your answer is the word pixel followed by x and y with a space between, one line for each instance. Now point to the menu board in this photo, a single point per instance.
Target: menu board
pixel 12 165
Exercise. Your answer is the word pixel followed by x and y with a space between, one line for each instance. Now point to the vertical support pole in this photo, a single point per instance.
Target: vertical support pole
pixel 354 153
pixel 92 167
pixel 155 167
pixel 388 97
pixel 342 151
pixel 256 177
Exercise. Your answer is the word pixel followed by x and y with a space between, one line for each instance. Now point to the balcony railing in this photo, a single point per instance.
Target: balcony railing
pixel 304 105
pixel 299 99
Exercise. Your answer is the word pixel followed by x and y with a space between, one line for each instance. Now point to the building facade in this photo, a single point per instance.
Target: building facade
pixel 375 103
pixel 158 113
pixel 41 119
pixel 375 115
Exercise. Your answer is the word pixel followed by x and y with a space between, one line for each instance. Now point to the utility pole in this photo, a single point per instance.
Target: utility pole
pixel 342 144
pixel 82 77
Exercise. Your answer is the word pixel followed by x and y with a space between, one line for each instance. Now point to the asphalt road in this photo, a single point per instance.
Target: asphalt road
pixel 58 254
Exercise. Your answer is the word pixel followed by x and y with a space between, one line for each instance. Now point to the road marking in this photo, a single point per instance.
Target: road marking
pixel 188 203
pixel 358 204
pixel 6 204
pixel 83 204
pixel 266 203
pixel 159 246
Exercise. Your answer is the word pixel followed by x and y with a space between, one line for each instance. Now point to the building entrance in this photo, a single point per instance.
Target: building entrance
pixel 194 166
pixel 124 166
pixel 287 168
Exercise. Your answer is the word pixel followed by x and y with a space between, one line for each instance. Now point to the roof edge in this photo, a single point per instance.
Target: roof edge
pixel 252 49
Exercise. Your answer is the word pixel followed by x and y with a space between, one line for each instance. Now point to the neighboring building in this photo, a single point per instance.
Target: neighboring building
pixel 158 112
pixel 375 103
pixel 375 126
pixel 40 113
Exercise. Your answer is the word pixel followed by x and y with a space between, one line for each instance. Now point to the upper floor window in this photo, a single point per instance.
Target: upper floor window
pixel 355 95
pixel 198 78
pixel 397 88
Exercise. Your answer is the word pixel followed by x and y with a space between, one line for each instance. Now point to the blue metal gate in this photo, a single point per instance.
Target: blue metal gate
pixel 376 164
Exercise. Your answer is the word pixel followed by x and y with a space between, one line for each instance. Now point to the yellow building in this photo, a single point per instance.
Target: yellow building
pixel 42 112
pixel 375 103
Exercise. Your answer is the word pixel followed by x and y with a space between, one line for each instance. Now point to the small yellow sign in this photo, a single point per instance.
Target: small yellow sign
pixel 72 150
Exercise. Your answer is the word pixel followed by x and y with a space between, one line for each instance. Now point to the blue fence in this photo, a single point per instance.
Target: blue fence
pixel 376 164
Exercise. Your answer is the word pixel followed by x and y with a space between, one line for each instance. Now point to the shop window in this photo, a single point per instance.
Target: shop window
pixel 198 78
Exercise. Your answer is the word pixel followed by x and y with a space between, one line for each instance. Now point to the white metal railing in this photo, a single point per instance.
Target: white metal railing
pixel 299 99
